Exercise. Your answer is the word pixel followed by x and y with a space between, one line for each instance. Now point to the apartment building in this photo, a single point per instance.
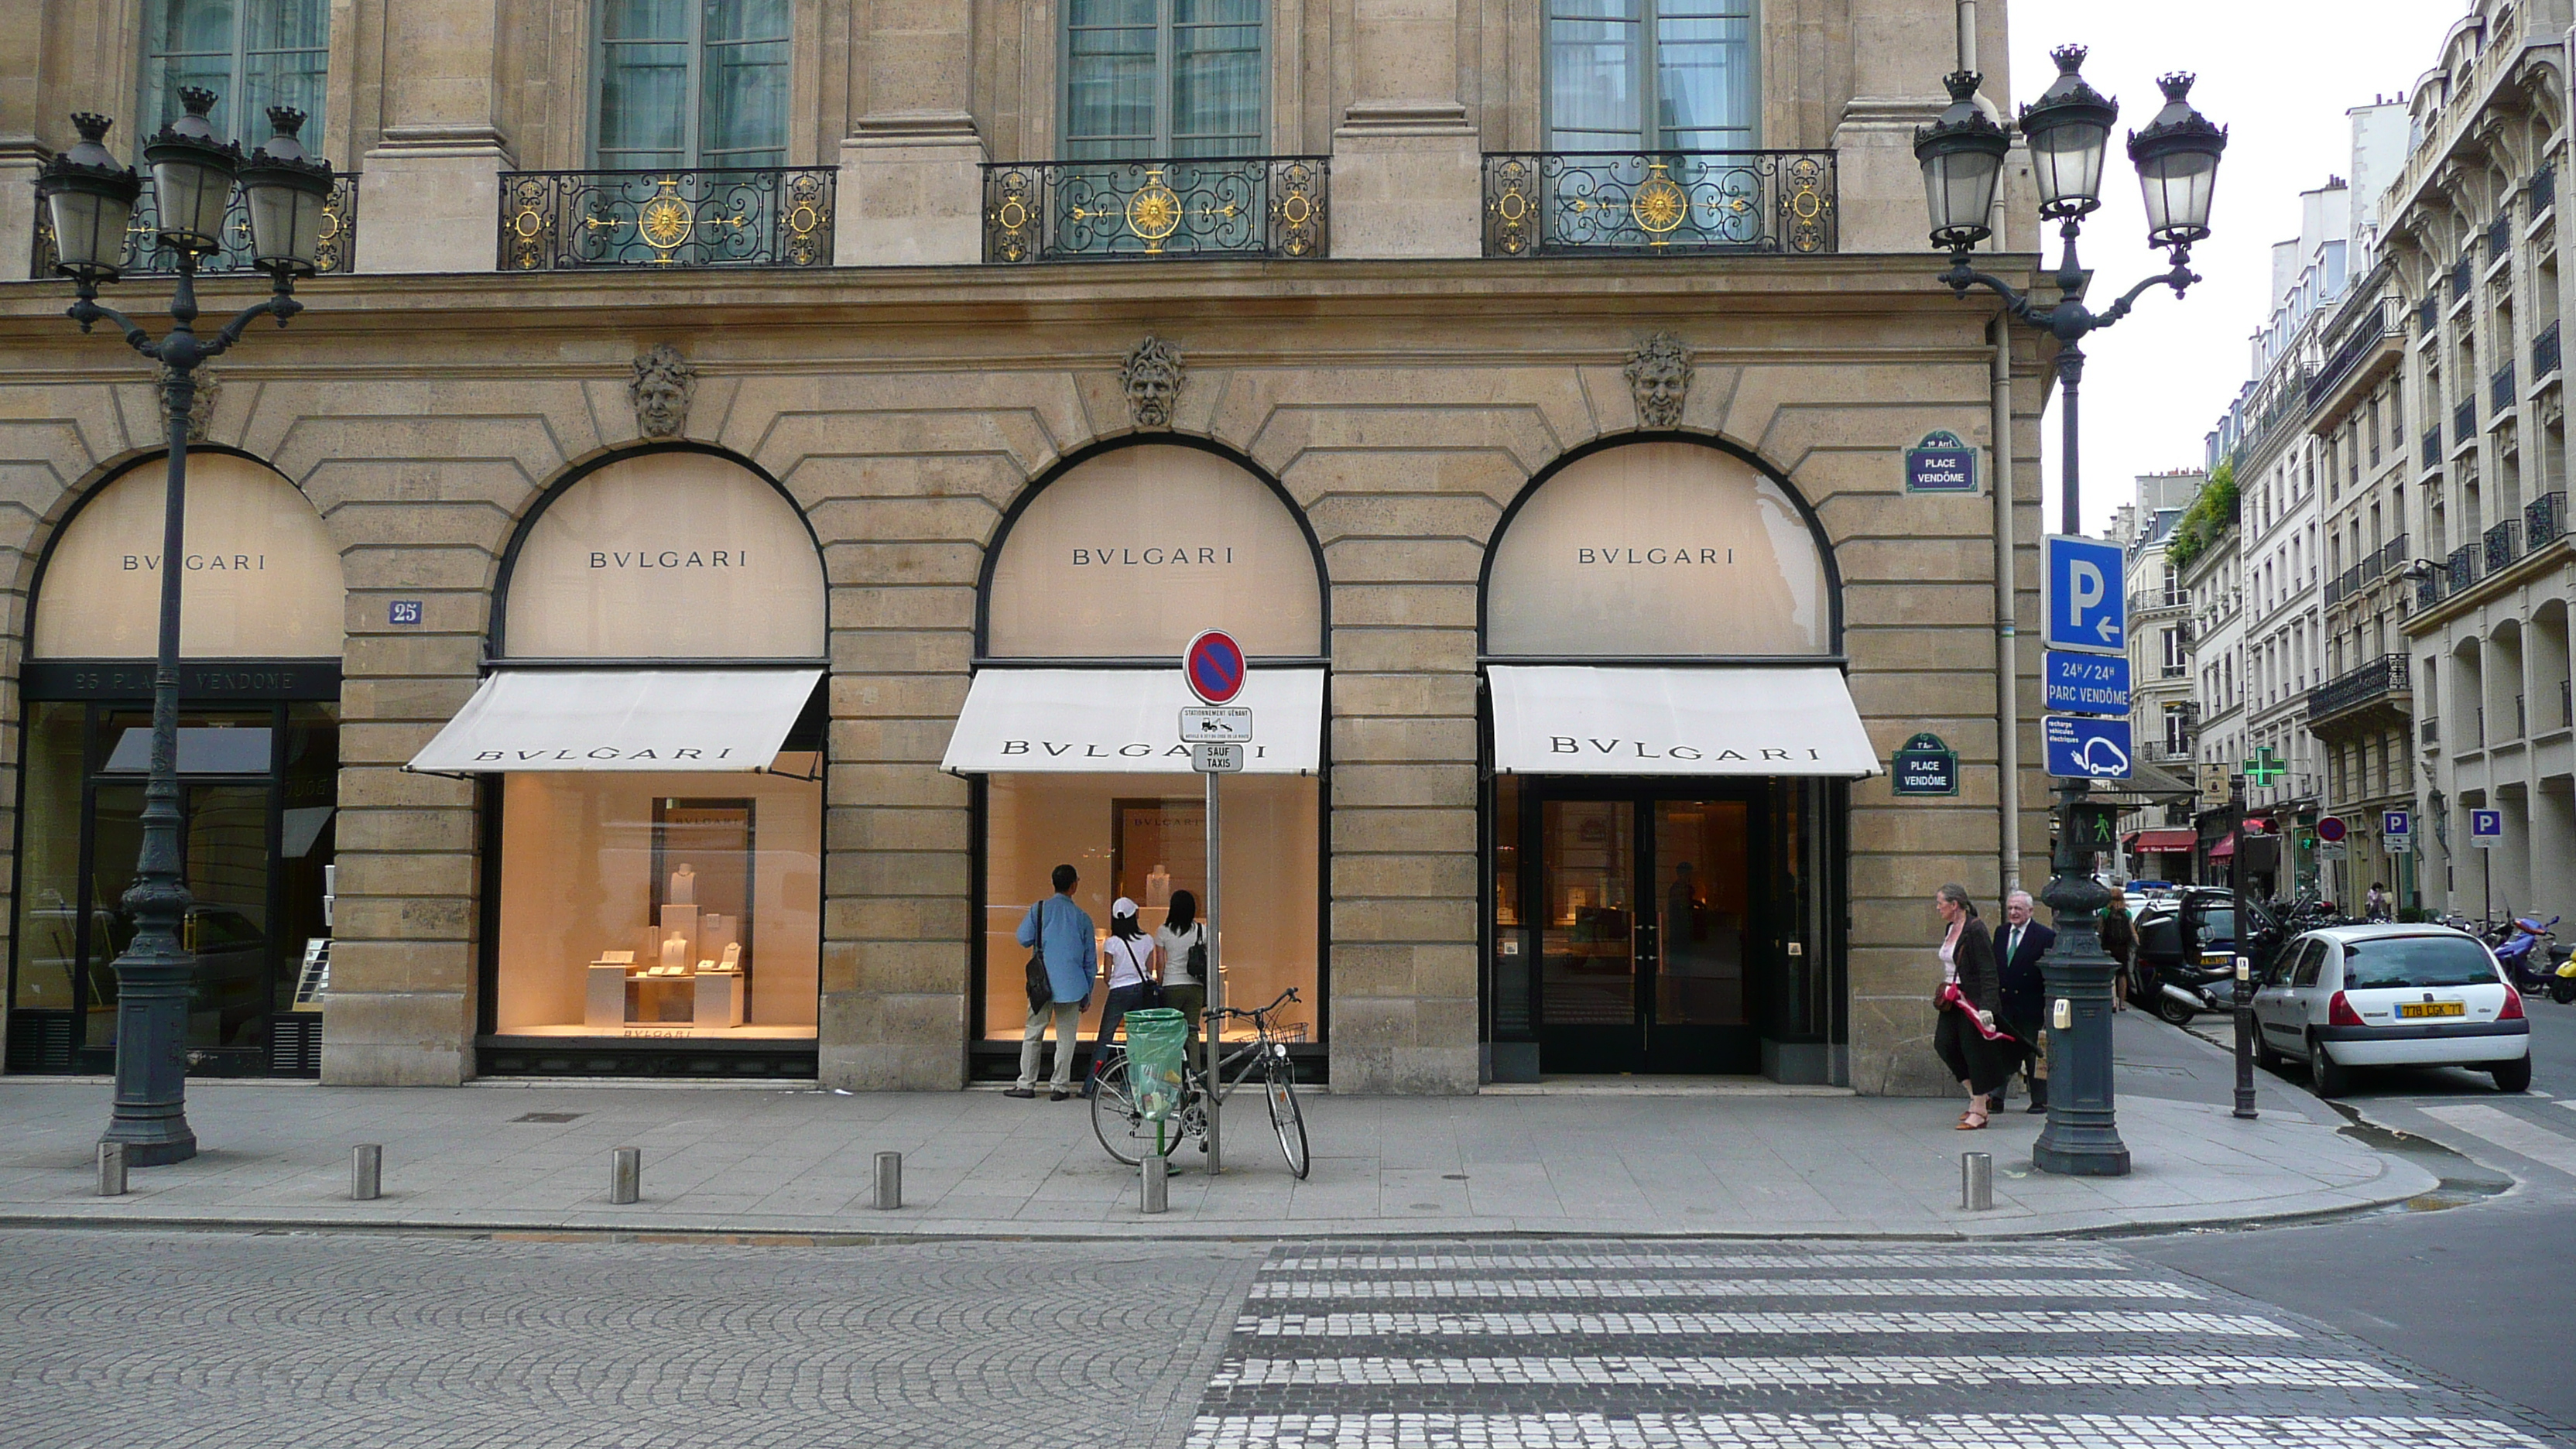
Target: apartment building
pixel 2156 840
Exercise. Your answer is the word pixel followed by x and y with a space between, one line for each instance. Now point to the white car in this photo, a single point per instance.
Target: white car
pixel 2391 996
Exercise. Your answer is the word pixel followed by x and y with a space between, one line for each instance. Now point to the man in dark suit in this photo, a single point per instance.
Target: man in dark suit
pixel 2019 947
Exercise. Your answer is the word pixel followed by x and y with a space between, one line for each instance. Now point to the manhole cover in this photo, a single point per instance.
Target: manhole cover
pixel 547 1117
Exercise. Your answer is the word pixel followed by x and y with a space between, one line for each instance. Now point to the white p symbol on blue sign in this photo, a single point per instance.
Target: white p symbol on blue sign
pixel 2087 587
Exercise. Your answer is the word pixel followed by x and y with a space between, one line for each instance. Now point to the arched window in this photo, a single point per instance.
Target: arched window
pixel 1100 578
pixel 252 54
pixel 692 84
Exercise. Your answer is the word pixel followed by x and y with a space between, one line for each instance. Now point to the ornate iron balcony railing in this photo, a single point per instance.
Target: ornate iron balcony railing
pixel 2501 394
pixel 2464 420
pixel 338 253
pixel 2544 189
pixel 2395 555
pixel 2430 588
pixel 2544 353
pixel 2503 544
pixel 1651 203
pixel 2500 235
pixel 2433 446
pixel 2463 568
pixel 2381 677
pixel 752 217
pixel 2367 333
pixel 2544 519
pixel 2462 279
pixel 2431 321
pixel 1228 206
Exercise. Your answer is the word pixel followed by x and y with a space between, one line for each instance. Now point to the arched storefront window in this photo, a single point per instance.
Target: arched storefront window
pixel 1099 580
pixel 260 643
pixel 1670 737
pixel 653 720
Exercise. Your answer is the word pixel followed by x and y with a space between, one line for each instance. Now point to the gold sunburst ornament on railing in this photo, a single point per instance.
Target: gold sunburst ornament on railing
pixel 1154 212
pixel 1658 205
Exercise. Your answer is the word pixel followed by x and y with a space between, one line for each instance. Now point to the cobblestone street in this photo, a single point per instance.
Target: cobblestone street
pixel 109 1340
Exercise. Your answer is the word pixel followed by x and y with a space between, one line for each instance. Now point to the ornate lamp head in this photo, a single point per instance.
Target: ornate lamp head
pixel 286 191
pixel 91 200
pixel 192 175
pixel 2069 129
pixel 1962 153
pixel 2177 160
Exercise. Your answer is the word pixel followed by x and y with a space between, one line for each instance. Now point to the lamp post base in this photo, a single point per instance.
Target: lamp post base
pixel 151 1113
pixel 2082 1138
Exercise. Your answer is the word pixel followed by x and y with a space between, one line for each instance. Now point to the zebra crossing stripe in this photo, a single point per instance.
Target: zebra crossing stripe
pixel 1506 1261
pixel 1846 1431
pixel 2036 1321
pixel 1613 1288
pixel 1807 1371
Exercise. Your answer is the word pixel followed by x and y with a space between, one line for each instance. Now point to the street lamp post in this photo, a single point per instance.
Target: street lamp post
pixel 2176 156
pixel 91 199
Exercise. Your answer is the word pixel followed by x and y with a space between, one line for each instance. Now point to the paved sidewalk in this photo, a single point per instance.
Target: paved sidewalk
pixel 766 1160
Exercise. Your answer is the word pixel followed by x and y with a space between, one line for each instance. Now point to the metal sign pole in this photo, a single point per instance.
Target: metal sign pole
pixel 1215 984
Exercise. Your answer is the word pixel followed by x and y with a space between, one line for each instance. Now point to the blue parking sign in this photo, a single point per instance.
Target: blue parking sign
pixel 2080 594
pixel 2486 827
pixel 2087 683
pixel 2396 822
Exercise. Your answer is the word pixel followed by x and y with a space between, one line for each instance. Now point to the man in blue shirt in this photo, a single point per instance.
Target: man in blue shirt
pixel 1070 947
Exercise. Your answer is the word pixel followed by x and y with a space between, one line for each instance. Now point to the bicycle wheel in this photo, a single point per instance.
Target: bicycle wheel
pixel 1123 1129
pixel 1279 1085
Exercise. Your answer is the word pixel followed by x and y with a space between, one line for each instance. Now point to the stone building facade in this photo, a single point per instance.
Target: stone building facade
pixel 959 414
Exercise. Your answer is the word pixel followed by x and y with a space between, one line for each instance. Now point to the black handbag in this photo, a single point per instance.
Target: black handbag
pixel 1041 987
pixel 1153 989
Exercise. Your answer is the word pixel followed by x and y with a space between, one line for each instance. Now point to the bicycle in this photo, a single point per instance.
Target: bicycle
pixel 1128 1134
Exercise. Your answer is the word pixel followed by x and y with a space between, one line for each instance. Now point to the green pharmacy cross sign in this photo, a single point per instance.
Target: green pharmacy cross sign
pixel 2265 769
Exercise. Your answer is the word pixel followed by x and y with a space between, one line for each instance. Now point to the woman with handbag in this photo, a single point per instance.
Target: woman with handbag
pixel 1180 954
pixel 1977 1053
pixel 1127 961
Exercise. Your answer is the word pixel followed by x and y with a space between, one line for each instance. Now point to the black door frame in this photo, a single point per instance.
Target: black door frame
pixel 1712 1050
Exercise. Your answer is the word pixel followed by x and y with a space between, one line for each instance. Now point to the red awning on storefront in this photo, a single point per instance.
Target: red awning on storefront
pixel 2223 849
pixel 2161 842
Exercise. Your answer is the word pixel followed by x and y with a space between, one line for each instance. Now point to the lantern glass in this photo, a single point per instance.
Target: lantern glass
pixel 1959 192
pixel 2066 159
pixel 2180 187
pixel 89 231
pixel 190 194
pixel 285 192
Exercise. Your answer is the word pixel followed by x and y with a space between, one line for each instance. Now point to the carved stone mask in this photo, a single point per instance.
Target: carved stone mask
pixel 660 390
pixel 1659 374
pixel 1153 374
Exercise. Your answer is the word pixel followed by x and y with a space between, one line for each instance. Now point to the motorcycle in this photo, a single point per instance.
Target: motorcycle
pixel 2533 963
pixel 2180 991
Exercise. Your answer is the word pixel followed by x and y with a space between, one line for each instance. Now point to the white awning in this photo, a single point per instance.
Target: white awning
pixel 1126 721
pixel 1719 720
pixel 622 719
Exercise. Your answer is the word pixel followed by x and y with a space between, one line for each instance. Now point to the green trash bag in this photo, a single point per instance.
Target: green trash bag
pixel 1156 1040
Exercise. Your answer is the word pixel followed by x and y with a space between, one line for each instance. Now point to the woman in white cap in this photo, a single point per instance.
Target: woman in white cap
pixel 1129 962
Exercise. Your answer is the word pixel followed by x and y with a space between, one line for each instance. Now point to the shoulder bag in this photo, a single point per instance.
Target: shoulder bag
pixel 1041 987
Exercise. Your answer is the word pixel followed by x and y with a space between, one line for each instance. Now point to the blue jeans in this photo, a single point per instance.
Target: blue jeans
pixel 1113 1010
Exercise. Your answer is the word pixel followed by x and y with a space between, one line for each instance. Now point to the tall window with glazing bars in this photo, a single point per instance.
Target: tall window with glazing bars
pixel 253 54
pixel 1652 75
pixel 689 102
pixel 1152 79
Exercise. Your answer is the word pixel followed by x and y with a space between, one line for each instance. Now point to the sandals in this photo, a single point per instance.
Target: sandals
pixel 1971 1120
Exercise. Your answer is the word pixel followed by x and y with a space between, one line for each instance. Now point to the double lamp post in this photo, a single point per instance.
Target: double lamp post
pixel 1962 153
pixel 90 199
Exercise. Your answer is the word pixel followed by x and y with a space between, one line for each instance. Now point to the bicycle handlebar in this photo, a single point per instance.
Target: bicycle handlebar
pixel 1285 997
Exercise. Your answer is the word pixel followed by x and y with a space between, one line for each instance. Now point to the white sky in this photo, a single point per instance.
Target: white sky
pixel 2279 74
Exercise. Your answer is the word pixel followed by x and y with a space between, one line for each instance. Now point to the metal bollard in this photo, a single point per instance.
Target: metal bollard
pixel 1154 1190
pixel 367 1172
pixel 111 1169
pixel 889 1180
pixel 1977 1181
pixel 625 1174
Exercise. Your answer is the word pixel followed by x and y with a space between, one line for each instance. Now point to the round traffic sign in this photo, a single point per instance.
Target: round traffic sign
pixel 2331 829
pixel 1213 664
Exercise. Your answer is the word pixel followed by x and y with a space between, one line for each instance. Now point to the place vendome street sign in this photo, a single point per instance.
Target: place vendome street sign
pixel 1925 766
pixel 1942 463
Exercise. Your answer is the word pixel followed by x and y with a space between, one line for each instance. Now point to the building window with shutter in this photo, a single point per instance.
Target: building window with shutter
pixel 692 85
pixel 1652 75
pixel 1156 78
pixel 252 54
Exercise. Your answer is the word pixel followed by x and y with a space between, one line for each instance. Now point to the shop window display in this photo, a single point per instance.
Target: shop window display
pixel 1144 837
pixel 679 905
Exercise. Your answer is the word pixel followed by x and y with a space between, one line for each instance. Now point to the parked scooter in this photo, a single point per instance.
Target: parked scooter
pixel 2533 962
pixel 2182 990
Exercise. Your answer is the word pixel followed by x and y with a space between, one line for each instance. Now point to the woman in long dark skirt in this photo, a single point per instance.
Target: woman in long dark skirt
pixel 1963 1035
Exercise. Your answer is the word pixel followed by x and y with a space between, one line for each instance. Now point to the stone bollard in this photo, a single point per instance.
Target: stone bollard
pixel 625 1174
pixel 889 1180
pixel 1154 1189
pixel 1977 1181
pixel 367 1172
pixel 111 1169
